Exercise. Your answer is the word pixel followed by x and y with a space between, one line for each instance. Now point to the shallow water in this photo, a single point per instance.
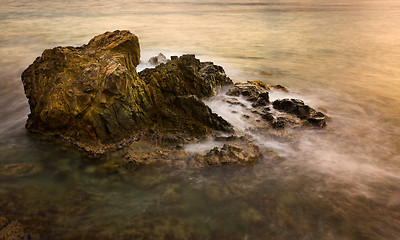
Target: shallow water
pixel 342 182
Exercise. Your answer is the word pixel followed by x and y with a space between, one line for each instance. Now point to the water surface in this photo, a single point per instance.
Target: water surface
pixel 338 183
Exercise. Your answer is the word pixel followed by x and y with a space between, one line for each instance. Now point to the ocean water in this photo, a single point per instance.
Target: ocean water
pixel 342 182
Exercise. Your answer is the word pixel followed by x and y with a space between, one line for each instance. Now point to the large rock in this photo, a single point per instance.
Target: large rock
pixel 93 94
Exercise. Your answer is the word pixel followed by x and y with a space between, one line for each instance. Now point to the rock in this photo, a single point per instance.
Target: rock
pixel 279 87
pixel 239 151
pixel 254 92
pixel 196 109
pixel 12 230
pixel 302 111
pixel 233 91
pixel 93 96
pixel 16 170
pixel 160 58
pixel 280 123
pixel 90 92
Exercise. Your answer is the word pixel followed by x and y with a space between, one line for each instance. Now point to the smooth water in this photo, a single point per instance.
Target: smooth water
pixel 342 182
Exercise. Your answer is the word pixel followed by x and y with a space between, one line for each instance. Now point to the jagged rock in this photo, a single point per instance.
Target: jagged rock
pixel 254 92
pixel 93 95
pixel 196 109
pixel 302 111
pixel 160 58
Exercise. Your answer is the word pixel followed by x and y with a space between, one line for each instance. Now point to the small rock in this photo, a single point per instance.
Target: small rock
pixel 233 91
pixel 279 124
pixel 160 58
pixel 318 122
pixel 280 87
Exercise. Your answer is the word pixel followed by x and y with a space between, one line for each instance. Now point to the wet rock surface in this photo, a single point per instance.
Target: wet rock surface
pixel 302 111
pixel 93 96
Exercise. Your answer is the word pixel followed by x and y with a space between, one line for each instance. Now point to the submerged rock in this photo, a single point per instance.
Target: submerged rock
pixel 237 150
pixel 16 170
pixel 93 95
pixel 12 230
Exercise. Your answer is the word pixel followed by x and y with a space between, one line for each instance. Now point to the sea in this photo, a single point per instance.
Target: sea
pixel 339 182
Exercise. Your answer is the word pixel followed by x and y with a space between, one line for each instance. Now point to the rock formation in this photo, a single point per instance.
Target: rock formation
pixel 93 94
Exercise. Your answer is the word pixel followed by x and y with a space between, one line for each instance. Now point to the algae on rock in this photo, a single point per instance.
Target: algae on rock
pixel 93 95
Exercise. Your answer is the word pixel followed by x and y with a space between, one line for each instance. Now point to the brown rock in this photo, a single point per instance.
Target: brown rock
pixel 93 95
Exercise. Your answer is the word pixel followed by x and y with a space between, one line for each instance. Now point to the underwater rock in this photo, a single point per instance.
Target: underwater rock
pixel 16 170
pixel 93 96
pixel 12 230
pixel 238 150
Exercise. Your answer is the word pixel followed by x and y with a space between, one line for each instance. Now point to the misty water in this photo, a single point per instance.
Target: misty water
pixel 341 182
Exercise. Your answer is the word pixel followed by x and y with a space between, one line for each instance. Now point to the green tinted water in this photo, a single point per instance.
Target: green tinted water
pixel 338 183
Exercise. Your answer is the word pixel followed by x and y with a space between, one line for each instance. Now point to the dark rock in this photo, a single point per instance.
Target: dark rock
pixel 317 121
pixel 233 91
pixel 93 96
pixel 196 109
pixel 160 58
pixel 252 92
pixel 268 116
pixel 279 123
pixel 302 111
pixel 260 101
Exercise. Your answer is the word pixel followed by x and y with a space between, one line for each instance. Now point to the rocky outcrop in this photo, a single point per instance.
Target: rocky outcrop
pixel 93 95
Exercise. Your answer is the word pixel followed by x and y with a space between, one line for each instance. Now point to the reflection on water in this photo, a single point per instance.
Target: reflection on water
pixel 338 183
